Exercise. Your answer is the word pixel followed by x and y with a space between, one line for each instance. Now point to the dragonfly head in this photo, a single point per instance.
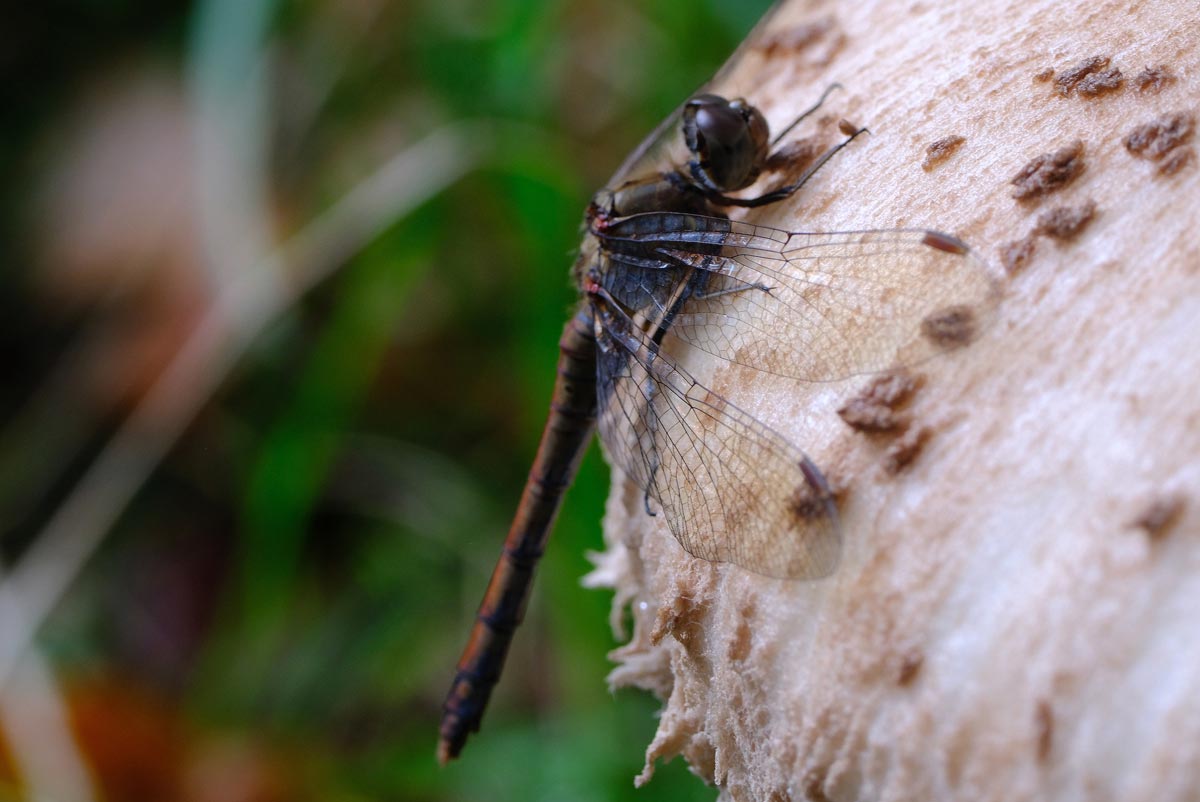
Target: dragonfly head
pixel 729 141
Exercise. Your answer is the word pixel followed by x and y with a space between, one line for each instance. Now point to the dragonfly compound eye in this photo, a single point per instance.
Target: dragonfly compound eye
pixel 728 141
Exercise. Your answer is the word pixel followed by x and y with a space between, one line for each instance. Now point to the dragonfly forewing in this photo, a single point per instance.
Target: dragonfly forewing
pixel 811 306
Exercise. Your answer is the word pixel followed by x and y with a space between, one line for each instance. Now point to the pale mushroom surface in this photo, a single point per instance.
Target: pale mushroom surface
pixel 1014 616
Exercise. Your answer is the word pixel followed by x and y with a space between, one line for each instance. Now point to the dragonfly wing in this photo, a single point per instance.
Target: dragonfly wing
pixel 813 306
pixel 731 489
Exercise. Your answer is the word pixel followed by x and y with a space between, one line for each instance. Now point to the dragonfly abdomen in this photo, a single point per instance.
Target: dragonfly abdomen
pixel 568 429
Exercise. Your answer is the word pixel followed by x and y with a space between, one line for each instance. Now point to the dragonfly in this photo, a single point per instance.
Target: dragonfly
pixel 662 268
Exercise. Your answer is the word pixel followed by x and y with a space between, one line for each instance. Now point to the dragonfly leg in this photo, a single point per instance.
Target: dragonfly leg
pixel 804 115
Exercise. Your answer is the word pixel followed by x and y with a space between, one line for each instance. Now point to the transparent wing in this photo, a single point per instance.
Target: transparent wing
pixel 812 306
pixel 662 149
pixel 731 489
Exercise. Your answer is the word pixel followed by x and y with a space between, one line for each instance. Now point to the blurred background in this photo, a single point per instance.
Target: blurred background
pixel 282 287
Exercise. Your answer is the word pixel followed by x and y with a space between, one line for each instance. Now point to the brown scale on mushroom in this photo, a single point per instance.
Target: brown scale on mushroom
pixel 940 150
pixel 1176 160
pixel 1089 78
pixel 905 449
pixel 814 43
pixel 1065 222
pixel 1049 172
pixel 797 38
pixel 1159 516
pixel 950 327
pixel 910 667
pixel 1015 255
pixel 1100 83
pixel 1044 724
pixel 1066 81
pixel 1165 141
pixel 807 503
pixel 1062 223
pixel 875 408
pixel 1157 138
pixel 1153 80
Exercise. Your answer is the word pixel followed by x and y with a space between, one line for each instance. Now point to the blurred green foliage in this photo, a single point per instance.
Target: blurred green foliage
pixel 303 570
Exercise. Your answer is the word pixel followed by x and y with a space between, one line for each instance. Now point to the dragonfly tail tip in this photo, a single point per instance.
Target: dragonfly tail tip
pixel 445 752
